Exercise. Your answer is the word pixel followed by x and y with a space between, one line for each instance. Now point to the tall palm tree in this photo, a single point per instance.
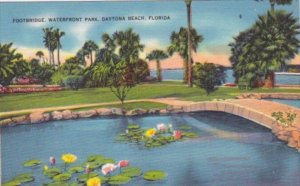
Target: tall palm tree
pixel 89 47
pixel 50 43
pixel 58 34
pixel 179 44
pixel 157 55
pixel 40 55
pixel 189 21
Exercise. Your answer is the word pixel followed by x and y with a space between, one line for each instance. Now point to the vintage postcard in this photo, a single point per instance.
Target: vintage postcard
pixel 160 93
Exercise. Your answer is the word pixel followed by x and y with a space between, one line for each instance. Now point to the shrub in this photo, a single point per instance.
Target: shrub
pixel 208 76
pixel 285 119
pixel 73 82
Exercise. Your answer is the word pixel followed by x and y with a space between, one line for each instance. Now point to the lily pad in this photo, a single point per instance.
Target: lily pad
pixel 108 160
pixel 154 175
pixel 133 126
pixel 185 127
pixel 76 169
pixel 12 183
pixel 190 134
pixel 85 177
pixel 95 157
pixel 23 178
pixel 57 184
pixel 103 179
pixel 32 163
pixel 119 180
pixel 62 177
pixel 131 171
pixel 51 172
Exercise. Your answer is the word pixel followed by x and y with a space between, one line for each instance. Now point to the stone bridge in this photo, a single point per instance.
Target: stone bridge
pixel 256 110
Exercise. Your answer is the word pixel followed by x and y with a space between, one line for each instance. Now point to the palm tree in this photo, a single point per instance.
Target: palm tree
pixel 89 47
pixel 58 34
pixel 50 43
pixel 277 42
pixel 179 44
pixel 189 60
pixel 157 55
pixel 40 55
pixel 129 45
pixel 279 2
pixel 8 58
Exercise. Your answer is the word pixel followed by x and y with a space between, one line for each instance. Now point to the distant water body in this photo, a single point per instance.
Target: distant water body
pixel 178 75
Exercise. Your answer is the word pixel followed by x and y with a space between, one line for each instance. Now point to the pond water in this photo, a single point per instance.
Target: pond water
pixel 178 75
pixel 229 151
pixel 294 103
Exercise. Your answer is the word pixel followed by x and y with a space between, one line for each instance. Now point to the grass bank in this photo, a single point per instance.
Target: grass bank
pixel 13 102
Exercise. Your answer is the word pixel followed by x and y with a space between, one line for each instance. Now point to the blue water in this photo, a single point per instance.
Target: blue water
pixel 178 75
pixel 230 150
pixel 294 103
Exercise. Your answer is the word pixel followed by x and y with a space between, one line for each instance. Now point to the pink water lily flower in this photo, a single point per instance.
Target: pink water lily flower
pixel 123 163
pixel 52 160
pixel 161 127
pixel 108 168
pixel 88 169
pixel 177 134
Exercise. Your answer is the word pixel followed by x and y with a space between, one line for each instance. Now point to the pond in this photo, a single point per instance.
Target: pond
pixel 229 151
pixel 294 103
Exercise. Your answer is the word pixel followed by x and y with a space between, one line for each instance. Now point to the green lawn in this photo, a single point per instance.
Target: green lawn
pixel 99 95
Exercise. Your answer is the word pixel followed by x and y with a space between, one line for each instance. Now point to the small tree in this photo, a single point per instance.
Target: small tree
pixel 208 76
pixel 117 77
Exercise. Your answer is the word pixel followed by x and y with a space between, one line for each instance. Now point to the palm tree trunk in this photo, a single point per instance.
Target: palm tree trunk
pixel 186 69
pixel 49 57
pixel 91 54
pixel 189 15
pixel 158 71
pixel 270 80
pixel 58 60
pixel 53 60
pixel 272 2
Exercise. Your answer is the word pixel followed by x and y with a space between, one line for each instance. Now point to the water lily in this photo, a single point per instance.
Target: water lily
pixel 69 158
pixel 150 133
pixel 177 134
pixel 161 127
pixel 52 160
pixel 88 169
pixel 95 181
pixel 123 163
pixel 108 168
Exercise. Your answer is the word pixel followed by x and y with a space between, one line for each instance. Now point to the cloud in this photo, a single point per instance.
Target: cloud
pixel 80 31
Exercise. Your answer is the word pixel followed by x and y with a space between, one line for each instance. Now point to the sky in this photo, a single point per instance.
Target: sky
pixel 217 21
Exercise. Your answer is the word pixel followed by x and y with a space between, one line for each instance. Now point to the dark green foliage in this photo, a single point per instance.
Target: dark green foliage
pixel 265 48
pixel 42 72
pixel 8 61
pixel 74 82
pixel 208 76
pixel 119 73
